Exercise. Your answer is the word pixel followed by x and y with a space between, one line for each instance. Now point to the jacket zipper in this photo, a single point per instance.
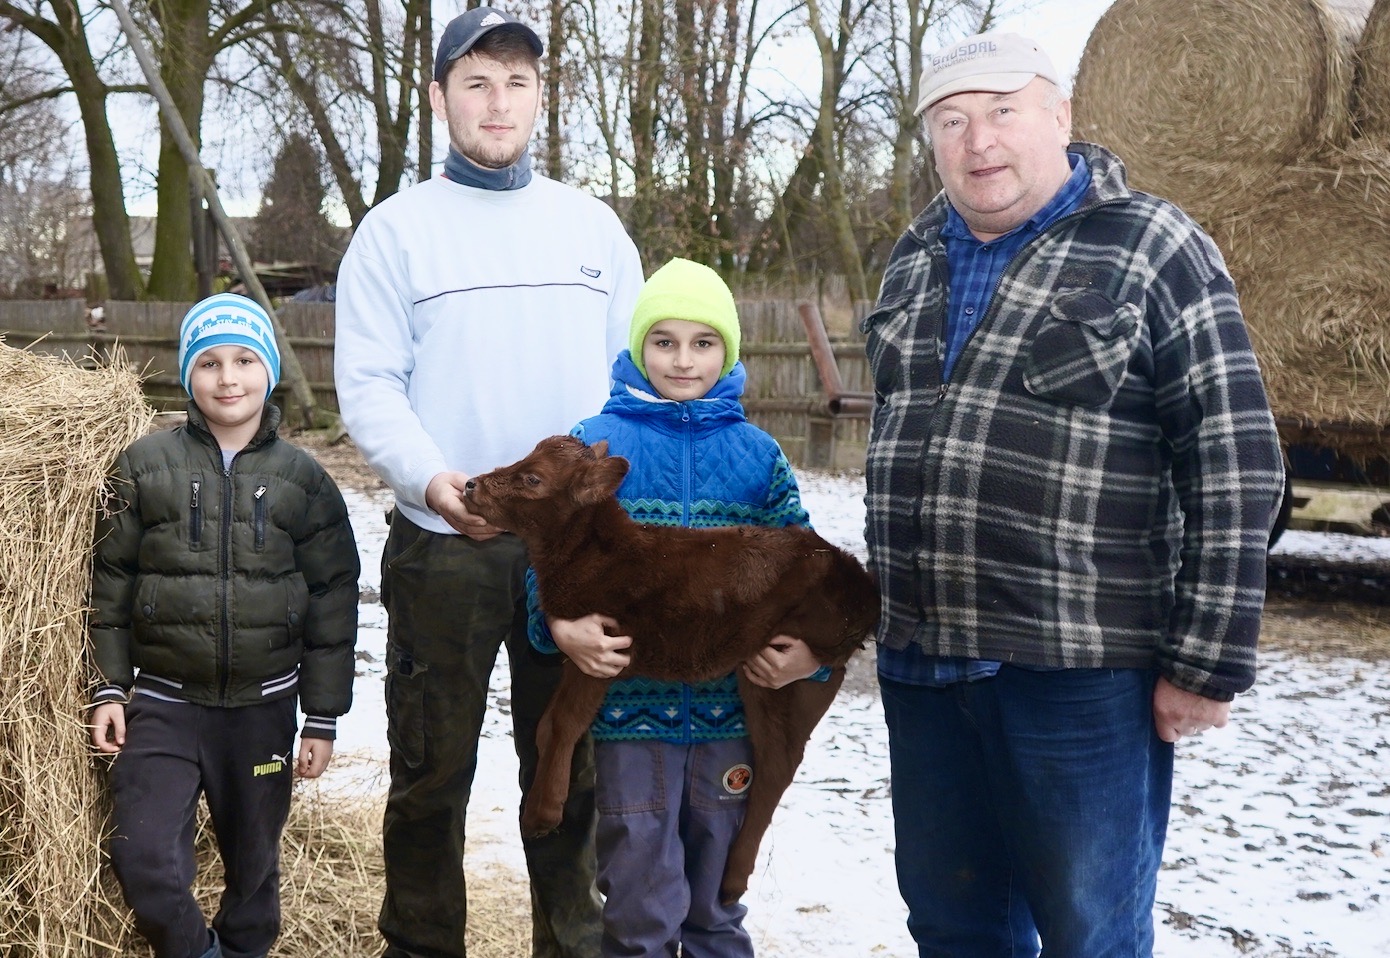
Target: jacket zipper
pixel 688 466
pixel 224 569
pixel 195 516
pixel 259 496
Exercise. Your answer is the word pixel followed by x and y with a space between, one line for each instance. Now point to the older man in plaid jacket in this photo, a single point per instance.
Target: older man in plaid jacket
pixel 1072 472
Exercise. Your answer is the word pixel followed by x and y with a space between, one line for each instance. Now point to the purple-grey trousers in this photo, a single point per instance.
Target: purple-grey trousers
pixel 667 816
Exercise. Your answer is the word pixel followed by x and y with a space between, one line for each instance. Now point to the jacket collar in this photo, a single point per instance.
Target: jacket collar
pixel 1108 184
pixel 633 395
pixel 269 428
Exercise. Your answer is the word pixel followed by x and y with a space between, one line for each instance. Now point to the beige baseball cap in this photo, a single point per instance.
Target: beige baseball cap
pixel 986 63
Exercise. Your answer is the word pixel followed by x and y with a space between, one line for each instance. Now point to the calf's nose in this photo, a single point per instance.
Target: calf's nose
pixel 470 485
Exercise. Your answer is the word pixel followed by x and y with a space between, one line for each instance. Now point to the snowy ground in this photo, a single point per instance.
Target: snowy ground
pixel 1279 844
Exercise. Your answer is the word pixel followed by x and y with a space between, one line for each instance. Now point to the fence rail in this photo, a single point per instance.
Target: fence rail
pixel 784 393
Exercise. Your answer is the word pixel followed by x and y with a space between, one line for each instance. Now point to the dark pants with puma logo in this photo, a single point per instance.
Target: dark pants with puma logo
pixel 174 752
pixel 452 604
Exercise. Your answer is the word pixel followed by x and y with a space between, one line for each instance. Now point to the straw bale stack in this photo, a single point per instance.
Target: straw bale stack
pixel 1260 81
pixel 1241 112
pixel 1371 98
pixel 61 427
pixel 1309 257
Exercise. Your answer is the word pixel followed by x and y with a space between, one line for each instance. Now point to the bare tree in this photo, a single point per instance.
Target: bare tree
pixel 834 43
pixel 896 63
pixel 360 76
pixel 61 26
pixel 41 204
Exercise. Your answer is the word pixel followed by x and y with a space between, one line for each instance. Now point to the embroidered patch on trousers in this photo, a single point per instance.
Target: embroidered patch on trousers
pixel 737 778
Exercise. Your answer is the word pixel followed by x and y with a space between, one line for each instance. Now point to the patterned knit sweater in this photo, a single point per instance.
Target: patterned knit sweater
pixel 698 464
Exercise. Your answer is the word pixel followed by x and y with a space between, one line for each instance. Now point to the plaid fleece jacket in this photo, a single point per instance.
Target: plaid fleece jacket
pixel 1095 485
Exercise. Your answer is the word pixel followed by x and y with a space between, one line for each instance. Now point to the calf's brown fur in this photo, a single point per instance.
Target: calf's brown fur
pixel 696 602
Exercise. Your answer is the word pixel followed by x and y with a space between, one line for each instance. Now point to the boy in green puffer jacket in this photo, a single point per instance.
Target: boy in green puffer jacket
pixel 224 587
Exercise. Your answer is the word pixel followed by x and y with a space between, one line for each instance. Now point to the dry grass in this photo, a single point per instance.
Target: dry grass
pixel 1319 631
pixel 1371 97
pixel 1242 113
pixel 61 427
pixel 332 878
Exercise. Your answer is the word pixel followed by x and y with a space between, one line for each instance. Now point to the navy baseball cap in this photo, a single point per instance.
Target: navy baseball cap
pixel 466 29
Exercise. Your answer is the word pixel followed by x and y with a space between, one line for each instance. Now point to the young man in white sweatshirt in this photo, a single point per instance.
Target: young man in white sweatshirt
pixel 477 312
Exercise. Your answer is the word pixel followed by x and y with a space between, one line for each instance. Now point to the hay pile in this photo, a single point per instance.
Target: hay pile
pixel 1268 121
pixel 61 427
pixel 1371 95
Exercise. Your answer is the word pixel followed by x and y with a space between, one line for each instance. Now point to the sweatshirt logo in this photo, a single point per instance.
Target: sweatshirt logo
pixel 590 272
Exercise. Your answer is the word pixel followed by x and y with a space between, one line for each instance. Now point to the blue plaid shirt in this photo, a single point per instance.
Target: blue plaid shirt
pixel 974 269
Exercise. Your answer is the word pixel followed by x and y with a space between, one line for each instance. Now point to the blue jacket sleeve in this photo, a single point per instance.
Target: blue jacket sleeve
pixel 536 629
pixel 784 508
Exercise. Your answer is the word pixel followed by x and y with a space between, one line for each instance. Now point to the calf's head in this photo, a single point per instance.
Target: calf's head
pixel 560 477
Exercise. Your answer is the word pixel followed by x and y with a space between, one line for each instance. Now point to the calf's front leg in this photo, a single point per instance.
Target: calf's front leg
pixel 570 712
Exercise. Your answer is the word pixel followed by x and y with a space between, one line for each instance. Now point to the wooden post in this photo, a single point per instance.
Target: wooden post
pixel 293 373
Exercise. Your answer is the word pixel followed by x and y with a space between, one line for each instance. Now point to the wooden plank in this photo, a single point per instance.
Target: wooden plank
pixel 1330 506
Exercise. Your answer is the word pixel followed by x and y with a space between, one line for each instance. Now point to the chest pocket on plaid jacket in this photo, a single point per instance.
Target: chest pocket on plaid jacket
pixel 1081 349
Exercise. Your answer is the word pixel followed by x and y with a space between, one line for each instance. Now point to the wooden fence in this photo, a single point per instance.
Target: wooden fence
pixel 784 394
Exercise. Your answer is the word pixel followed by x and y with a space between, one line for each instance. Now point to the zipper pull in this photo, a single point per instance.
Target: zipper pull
pixel 196 486
pixel 260 491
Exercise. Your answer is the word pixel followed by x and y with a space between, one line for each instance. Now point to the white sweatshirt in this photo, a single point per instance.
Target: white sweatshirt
pixel 472 323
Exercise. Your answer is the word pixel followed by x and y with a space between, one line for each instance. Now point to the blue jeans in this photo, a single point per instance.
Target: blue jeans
pixel 1032 805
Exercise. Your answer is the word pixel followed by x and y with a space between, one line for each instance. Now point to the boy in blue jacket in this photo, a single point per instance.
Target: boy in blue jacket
pixel 673 760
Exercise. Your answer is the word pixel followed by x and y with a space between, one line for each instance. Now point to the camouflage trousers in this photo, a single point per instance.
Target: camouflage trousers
pixel 452 603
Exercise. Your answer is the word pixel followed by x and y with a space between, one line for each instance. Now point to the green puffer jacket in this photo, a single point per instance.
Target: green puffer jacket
pixel 222 584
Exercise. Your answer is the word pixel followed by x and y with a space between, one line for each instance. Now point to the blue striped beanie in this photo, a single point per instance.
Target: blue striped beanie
pixel 227 320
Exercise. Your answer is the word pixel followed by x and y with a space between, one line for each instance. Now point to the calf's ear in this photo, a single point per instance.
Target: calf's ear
pixel 599 449
pixel 600 480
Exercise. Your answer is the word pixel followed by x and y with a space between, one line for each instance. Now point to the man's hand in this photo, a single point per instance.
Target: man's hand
pixel 108 727
pixel 1178 713
pixel 590 643
pixel 444 495
pixel 313 757
pixel 785 660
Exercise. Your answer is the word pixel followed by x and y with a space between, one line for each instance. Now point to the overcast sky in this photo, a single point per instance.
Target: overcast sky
pixel 1061 27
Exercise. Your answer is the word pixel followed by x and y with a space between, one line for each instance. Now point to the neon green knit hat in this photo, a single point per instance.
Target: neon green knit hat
pixel 690 291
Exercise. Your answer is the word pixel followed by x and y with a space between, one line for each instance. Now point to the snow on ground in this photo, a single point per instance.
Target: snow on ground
pixel 1280 836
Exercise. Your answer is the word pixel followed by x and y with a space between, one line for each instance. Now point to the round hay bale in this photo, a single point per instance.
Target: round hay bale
pixel 1371 94
pixel 1163 81
pixel 1309 260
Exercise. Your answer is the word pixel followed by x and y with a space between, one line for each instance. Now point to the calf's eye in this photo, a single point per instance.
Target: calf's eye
pixel 532 479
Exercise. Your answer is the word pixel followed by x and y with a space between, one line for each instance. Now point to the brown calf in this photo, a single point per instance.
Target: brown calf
pixel 696 602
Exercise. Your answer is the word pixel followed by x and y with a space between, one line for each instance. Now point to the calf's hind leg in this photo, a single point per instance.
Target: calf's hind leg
pixel 780 722
pixel 571 711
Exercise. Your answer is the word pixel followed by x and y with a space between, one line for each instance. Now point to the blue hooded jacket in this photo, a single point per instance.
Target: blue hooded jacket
pixel 699 464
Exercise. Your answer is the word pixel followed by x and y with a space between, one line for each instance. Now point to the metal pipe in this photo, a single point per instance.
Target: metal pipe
pixel 837 401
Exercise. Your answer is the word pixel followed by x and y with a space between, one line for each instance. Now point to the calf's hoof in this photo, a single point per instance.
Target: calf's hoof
pixel 537 822
pixel 731 889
